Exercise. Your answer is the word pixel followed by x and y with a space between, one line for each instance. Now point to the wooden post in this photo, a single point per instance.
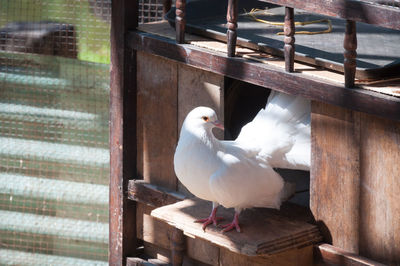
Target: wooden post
pixel 177 247
pixel 231 33
pixel 122 228
pixel 289 39
pixel 166 6
pixel 180 20
pixel 350 54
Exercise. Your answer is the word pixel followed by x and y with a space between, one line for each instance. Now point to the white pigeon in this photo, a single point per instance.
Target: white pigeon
pixel 240 173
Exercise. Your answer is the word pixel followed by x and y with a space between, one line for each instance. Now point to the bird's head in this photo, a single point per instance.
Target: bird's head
pixel 203 117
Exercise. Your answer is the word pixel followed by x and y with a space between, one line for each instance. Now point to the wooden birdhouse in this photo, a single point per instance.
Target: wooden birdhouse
pixel 229 55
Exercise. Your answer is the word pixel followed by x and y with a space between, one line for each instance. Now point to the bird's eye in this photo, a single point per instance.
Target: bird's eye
pixel 205 118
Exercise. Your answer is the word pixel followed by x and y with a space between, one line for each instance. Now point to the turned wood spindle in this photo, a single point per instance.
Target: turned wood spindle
pixel 289 39
pixel 180 20
pixel 166 6
pixel 350 54
pixel 231 33
pixel 177 247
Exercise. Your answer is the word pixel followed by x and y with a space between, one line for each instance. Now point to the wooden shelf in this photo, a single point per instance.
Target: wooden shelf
pixel 264 231
pixel 310 82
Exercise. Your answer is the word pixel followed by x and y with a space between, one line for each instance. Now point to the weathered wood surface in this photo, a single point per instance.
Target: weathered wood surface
pixel 271 77
pixel 156 237
pixel 362 11
pixel 354 181
pixel 122 240
pixel 152 195
pixel 156 119
pixel 326 254
pixel 289 39
pixel 380 189
pixel 264 232
pixel 334 179
pixel 350 54
pixel 199 88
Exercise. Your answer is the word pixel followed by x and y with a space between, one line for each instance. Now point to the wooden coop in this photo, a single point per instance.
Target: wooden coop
pixel 348 210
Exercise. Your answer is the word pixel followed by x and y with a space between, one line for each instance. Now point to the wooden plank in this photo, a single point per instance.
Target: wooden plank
pixel 199 88
pixel 264 232
pixel 157 119
pixel 152 195
pixel 268 76
pixel 362 11
pixel 122 240
pixel 156 235
pixel 151 230
pixel 294 257
pixel 380 189
pixel 326 254
pixel 334 172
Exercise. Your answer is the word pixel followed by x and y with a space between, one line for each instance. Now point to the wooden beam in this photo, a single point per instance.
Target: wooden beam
pixel 231 34
pixel 122 239
pixel 335 169
pixel 155 196
pixel 329 255
pixel 267 76
pixel 289 39
pixel 362 11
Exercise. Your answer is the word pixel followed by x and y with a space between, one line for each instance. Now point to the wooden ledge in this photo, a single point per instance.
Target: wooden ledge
pixel 265 231
pixel 270 76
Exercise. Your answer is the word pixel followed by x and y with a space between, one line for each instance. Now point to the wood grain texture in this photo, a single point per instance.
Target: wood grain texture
pixel 326 254
pixel 335 176
pixel 264 232
pixel 155 196
pixel 268 76
pixel 122 235
pixel 294 257
pixel 157 119
pixel 362 11
pixel 380 190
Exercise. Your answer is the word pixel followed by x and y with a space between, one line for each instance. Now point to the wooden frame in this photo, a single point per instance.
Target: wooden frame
pixel 122 240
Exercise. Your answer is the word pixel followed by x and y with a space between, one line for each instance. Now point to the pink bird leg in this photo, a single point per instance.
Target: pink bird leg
pixel 234 224
pixel 211 219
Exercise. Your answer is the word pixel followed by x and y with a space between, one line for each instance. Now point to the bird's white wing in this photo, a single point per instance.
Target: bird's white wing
pixel 241 182
pixel 280 133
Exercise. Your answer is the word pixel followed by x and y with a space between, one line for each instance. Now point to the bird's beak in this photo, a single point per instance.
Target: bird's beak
pixel 218 124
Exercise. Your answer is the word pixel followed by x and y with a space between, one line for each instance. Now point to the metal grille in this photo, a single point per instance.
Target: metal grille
pixel 54 157
pixel 150 10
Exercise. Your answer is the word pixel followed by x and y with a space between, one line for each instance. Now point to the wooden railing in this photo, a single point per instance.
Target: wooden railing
pixel 352 11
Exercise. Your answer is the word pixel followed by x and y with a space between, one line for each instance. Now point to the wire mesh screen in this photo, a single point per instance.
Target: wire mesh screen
pixel 150 10
pixel 54 157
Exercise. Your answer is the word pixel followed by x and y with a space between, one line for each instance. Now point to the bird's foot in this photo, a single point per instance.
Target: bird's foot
pixel 232 225
pixel 210 220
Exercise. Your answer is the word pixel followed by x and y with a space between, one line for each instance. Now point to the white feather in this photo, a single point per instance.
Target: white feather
pixel 240 173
